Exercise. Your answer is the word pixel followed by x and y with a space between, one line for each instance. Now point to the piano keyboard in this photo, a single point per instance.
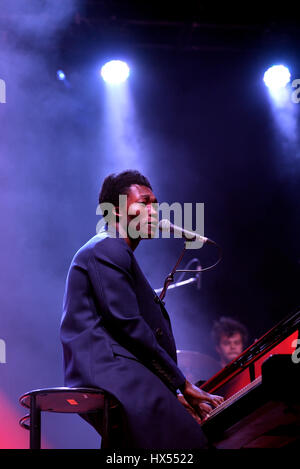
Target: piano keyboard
pixel 234 398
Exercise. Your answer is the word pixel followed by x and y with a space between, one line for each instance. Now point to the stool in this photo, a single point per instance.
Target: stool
pixel 75 401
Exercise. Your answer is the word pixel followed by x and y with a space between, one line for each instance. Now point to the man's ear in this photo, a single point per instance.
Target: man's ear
pixel 116 212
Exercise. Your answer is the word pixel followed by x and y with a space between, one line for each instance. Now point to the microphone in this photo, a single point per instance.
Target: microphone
pixel 166 225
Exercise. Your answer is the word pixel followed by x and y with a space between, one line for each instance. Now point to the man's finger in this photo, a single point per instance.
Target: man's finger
pixel 189 408
pixel 215 400
pixel 205 407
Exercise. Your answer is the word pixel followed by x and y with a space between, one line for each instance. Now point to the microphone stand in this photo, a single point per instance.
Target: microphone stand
pixel 170 278
pixel 179 284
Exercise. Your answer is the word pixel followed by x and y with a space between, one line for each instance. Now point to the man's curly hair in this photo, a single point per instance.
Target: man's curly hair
pixel 228 327
pixel 117 184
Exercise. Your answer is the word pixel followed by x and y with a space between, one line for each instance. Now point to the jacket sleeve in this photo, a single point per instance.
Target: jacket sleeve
pixel 109 269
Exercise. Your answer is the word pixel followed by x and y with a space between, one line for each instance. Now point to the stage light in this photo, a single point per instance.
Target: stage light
pixel 115 72
pixel 60 75
pixel 276 77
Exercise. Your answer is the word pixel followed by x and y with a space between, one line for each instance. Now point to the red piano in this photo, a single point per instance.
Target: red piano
pixel 261 388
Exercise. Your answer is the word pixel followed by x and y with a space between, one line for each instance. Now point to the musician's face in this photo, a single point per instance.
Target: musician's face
pixel 230 347
pixel 142 214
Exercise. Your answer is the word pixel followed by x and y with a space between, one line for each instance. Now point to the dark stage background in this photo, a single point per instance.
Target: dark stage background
pixel 195 118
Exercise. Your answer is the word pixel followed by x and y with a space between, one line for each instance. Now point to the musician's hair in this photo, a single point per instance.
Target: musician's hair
pixel 117 184
pixel 228 326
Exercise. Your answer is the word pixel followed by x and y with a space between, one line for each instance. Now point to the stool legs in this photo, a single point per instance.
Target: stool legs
pixel 35 424
pixel 105 425
pixel 112 424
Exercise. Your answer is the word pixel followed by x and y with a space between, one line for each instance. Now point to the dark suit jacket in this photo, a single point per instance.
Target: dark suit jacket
pixel 116 335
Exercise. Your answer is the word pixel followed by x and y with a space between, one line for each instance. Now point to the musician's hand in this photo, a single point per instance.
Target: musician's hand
pixel 188 407
pixel 201 401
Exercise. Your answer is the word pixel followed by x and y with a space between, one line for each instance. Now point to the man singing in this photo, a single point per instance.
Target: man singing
pixel 116 333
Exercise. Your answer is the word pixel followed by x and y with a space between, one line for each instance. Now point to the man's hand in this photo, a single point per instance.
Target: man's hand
pixel 189 408
pixel 198 402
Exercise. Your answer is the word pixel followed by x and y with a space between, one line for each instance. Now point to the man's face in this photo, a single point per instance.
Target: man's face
pixel 230 347
pixel 142 213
